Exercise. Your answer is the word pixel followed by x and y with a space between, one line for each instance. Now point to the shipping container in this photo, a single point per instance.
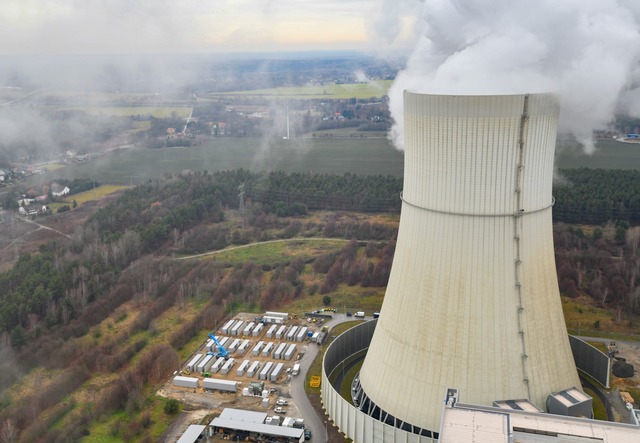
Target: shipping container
pixel 269 319
pixel 227 326
pixel 227 366
pixel 271 331
pixel 314 337
pixel 278 353
pixel 251 372
pixel 257 348
pixel 209 345
pixel 267 349
pixel 220 385
pixel 242 368
pixel 257 329
pixel 302 333
pixel 233 346
pixel 276 372
pixel 203 363
pixel 185 382
pixel 243 347
pixel 282 315
pixel 291 335
pixel 288 355
pixel 237 328
pixel 280 333
pixel 296 369
pixel 193 364
pixel 217 365
pixel 264 373
pixel 248 328
pixel 223 341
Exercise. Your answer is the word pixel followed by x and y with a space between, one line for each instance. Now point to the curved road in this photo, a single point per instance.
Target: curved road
pixel 315 423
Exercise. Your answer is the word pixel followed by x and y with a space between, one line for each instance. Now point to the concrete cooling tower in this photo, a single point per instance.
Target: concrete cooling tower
pixel 472 300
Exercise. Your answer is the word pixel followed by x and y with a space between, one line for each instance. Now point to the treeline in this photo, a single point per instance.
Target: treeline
pixel 603 264
pixel 595 196
pixel 369 193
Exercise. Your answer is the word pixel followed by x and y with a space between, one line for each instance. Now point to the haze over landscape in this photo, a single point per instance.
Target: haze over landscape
pixel 165 165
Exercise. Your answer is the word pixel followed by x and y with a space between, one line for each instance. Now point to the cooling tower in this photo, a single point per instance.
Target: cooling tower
pixel 472 300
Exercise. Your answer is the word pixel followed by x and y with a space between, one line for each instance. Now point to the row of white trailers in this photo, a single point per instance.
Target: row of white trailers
pixel 208 363
pixel 293 333
pixel 207 383
pixel 270 371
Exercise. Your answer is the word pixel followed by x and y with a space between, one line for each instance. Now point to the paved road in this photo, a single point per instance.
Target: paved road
pixel 315 423
pixel 312 421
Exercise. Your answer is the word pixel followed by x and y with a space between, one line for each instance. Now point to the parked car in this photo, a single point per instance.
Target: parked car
pixel 307 434
pixel 282 402
pixel 279 410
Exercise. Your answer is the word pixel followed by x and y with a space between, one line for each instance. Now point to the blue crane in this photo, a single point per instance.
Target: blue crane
pixel 222 352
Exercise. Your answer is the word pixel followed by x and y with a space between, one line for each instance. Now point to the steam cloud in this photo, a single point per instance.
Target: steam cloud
pixel 586 51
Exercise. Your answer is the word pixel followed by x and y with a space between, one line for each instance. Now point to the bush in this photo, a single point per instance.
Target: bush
pixel 326 300
pixel 172 406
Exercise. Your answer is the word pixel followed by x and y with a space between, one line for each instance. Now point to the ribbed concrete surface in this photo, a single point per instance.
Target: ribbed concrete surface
pixel 452 311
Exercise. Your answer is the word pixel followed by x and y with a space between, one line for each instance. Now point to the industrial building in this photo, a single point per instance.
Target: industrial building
pixel 474 263
pixel 253 424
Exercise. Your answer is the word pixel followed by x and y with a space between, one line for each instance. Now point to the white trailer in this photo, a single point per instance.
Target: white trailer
pixel 271 331
pixel 288 355
pixel 247 330
pixel 243 347
pixel 314 337
pixel 257 329
pixel 302 333
pixel 220 385
pixel 242 368
pixel 279 351
pixel 251 372
pixel 185 382
pixel 227 366
pixel 203 363
pixel 233 346
pixel 265 371
pixel 282 315
pixel 296 369
pixel 210 344
pixel 217 365
pixel 276 372
pixel 267 349
pixel 193 364
pixel 280 332
pixel 291 335
pixel 270 319
pixel 257 348
pixel 237 328
pixel 223 341
pixel 227 326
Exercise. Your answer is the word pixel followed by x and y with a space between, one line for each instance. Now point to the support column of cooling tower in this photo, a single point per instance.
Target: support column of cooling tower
pixel 517 228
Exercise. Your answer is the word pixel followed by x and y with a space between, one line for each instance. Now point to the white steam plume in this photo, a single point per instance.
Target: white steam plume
pixel 587 51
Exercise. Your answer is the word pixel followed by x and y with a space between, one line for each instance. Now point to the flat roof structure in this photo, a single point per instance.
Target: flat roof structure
pixel 518 405
pixel 192 433
pixel 480 424
pixel 250 421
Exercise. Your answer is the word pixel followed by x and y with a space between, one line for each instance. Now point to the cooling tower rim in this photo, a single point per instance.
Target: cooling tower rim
pixel 552 94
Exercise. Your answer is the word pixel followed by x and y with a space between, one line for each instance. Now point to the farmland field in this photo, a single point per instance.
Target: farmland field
pixel 137 165
pixel 333 155
pixel 127 111
pixel 330 91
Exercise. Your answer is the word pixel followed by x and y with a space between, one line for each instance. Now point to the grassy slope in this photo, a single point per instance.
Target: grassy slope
pixel 330 91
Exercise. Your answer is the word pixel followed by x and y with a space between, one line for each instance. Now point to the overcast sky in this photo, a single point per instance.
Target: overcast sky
pixel 38 27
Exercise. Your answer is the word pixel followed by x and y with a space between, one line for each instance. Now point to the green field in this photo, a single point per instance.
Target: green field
pixel 127 111
pixel 331 91
pixel 332 155
pixel 337 156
